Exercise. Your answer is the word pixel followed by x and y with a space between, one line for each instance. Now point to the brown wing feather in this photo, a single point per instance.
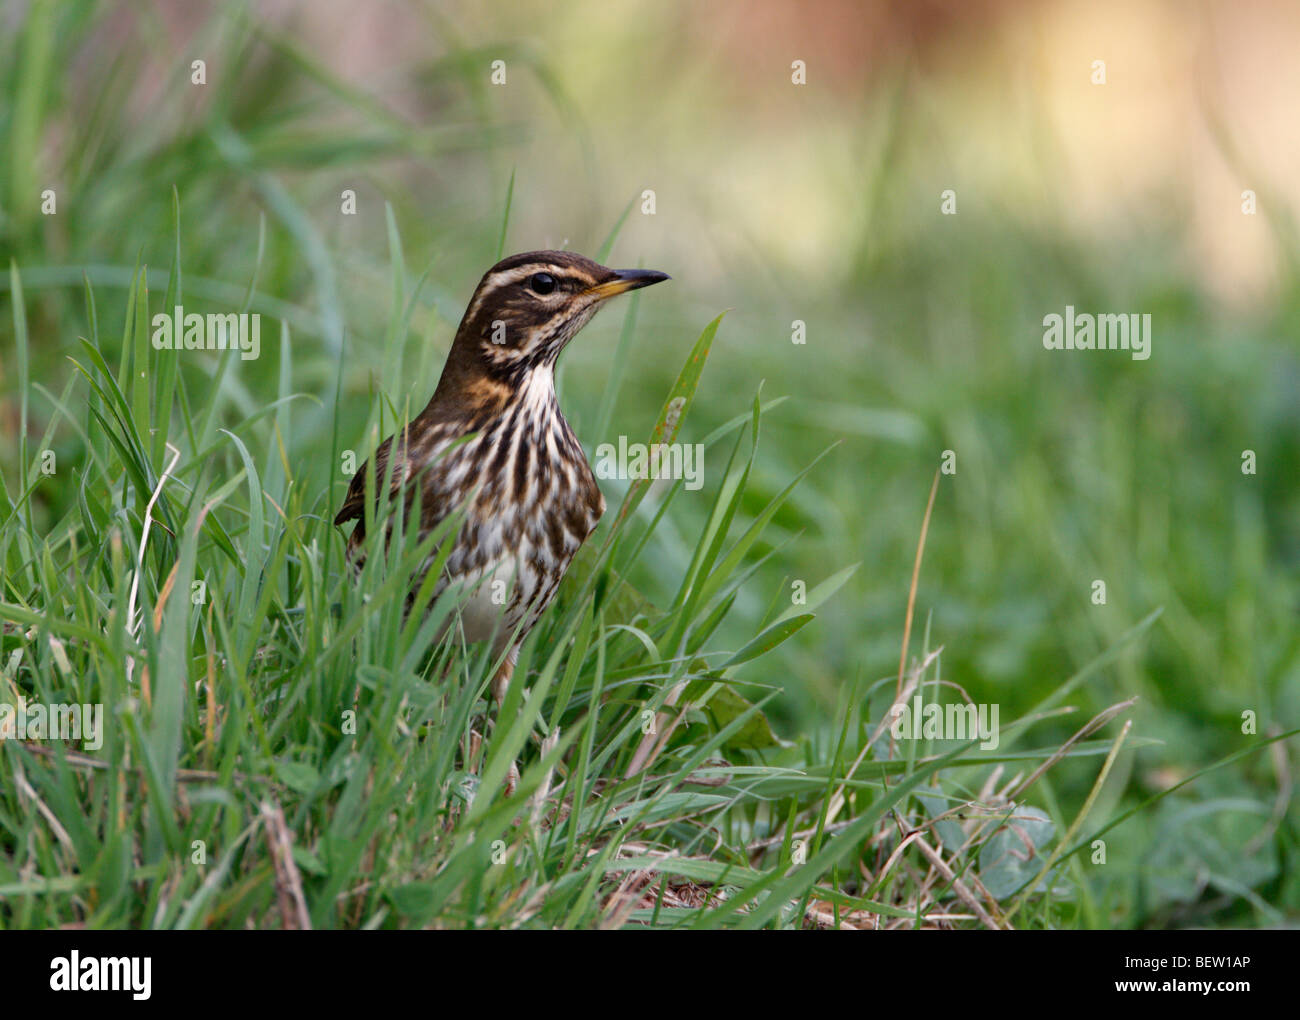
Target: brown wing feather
pixel 407 456
pixel 354 504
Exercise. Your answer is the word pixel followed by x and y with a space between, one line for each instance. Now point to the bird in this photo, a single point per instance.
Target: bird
pixel 493 442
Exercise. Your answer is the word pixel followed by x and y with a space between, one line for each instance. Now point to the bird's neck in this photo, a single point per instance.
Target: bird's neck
pixel 476 394
pixel 540 405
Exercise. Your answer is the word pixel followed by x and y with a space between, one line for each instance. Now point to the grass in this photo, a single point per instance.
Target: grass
pixel 698 748
pixel 260 700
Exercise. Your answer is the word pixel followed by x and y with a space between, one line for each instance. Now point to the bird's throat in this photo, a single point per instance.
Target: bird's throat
pixel 478 398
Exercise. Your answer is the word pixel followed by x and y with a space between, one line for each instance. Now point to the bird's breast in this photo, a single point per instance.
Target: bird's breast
pixel 531 501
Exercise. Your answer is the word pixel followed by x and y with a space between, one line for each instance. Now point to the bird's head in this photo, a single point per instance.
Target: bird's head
pixel 528 307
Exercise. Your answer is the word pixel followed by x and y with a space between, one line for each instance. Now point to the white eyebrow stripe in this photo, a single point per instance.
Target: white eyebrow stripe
pixel 505 277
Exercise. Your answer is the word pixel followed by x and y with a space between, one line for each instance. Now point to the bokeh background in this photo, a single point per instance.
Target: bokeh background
pixel 818 202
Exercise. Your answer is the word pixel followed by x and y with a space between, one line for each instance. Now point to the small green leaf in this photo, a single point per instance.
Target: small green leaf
pixel 755 735
pixel 822 592
pixel 769 639
pixel 309 861
pixel 298 776
pixel 1015 853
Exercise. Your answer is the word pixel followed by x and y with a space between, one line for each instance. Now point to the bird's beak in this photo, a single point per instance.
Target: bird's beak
pixel 625 280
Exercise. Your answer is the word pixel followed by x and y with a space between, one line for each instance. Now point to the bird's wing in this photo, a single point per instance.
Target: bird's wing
pixel 354 504
pixel 410 466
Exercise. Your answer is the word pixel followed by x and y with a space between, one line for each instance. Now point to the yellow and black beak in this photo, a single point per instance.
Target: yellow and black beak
pixel 625 280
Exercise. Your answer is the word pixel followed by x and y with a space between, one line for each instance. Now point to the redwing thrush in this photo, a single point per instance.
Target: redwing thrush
pixel 529 495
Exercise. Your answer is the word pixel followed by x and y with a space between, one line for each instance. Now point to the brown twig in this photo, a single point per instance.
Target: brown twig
pixel 959 887
pixel 288 880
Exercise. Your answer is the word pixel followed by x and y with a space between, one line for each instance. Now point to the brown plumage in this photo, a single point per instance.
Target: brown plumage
pixel 531 499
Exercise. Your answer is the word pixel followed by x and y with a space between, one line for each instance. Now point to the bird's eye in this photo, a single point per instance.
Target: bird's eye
pixel 542 283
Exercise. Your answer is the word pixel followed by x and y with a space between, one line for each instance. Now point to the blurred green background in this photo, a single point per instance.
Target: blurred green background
pixel 818 202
